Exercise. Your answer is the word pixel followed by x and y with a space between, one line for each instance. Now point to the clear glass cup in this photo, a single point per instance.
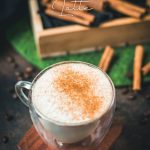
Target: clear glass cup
pixel 82 136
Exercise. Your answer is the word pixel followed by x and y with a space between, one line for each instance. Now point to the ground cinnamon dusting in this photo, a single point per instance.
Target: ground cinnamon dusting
pixel 79 88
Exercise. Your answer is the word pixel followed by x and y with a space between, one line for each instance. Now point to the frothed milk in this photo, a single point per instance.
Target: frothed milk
pixel 72 93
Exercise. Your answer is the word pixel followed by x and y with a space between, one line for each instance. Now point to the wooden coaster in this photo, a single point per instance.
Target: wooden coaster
pixel 32 141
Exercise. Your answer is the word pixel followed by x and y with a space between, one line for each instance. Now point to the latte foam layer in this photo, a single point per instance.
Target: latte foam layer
pixel 72 93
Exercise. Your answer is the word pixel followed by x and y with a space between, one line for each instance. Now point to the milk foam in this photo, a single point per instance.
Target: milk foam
pixel 51 102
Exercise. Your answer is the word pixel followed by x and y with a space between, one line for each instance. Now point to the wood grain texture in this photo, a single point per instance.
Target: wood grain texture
pixel 32 141
pixel 36 20
pixel 78 37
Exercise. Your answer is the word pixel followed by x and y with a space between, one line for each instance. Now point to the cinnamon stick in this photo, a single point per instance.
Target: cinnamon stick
pixel 127 8
pixel 131 6
pixel 72 4
pixel 134 7
pixel 104 56
pixel 75 19
pixel 108 60
pixel 146 69
pixel 95 4
pixel 60 6
pixel 148 2
pixel 139 52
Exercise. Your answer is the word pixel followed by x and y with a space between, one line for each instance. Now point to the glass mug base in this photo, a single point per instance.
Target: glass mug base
pixel 92 142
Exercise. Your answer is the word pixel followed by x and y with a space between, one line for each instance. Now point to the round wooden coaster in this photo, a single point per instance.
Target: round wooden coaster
pixel 32 141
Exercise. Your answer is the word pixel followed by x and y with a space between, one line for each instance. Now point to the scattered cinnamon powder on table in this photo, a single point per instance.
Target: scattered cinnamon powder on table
pixel 79 88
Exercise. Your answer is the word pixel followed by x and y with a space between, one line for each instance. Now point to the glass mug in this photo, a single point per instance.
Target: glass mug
pixel 84 136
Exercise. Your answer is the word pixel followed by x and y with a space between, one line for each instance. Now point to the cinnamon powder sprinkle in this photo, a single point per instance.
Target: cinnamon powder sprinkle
pixel 79 88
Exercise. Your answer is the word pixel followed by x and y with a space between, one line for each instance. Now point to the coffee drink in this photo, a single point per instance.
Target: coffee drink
pixel 72 93
pixel 70 102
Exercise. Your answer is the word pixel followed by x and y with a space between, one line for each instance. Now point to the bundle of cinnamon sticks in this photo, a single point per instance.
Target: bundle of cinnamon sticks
pixel 120 6
pixel 68 11
pixel 127 8
pixel 78 11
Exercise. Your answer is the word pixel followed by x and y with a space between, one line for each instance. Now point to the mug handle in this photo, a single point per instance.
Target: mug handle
pixel 19 91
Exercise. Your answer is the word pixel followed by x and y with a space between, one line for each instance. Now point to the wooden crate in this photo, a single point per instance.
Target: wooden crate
pixel 77 38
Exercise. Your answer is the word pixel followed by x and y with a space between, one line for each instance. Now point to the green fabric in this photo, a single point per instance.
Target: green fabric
pixel 21 37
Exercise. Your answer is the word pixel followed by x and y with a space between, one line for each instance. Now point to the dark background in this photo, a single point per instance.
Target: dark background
pixel 133 111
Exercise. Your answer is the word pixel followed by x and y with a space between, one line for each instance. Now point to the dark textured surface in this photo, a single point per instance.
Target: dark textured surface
pixel 15 128
pixel 136 134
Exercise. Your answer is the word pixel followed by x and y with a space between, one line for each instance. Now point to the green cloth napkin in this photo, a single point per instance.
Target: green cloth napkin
pixel 21 37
